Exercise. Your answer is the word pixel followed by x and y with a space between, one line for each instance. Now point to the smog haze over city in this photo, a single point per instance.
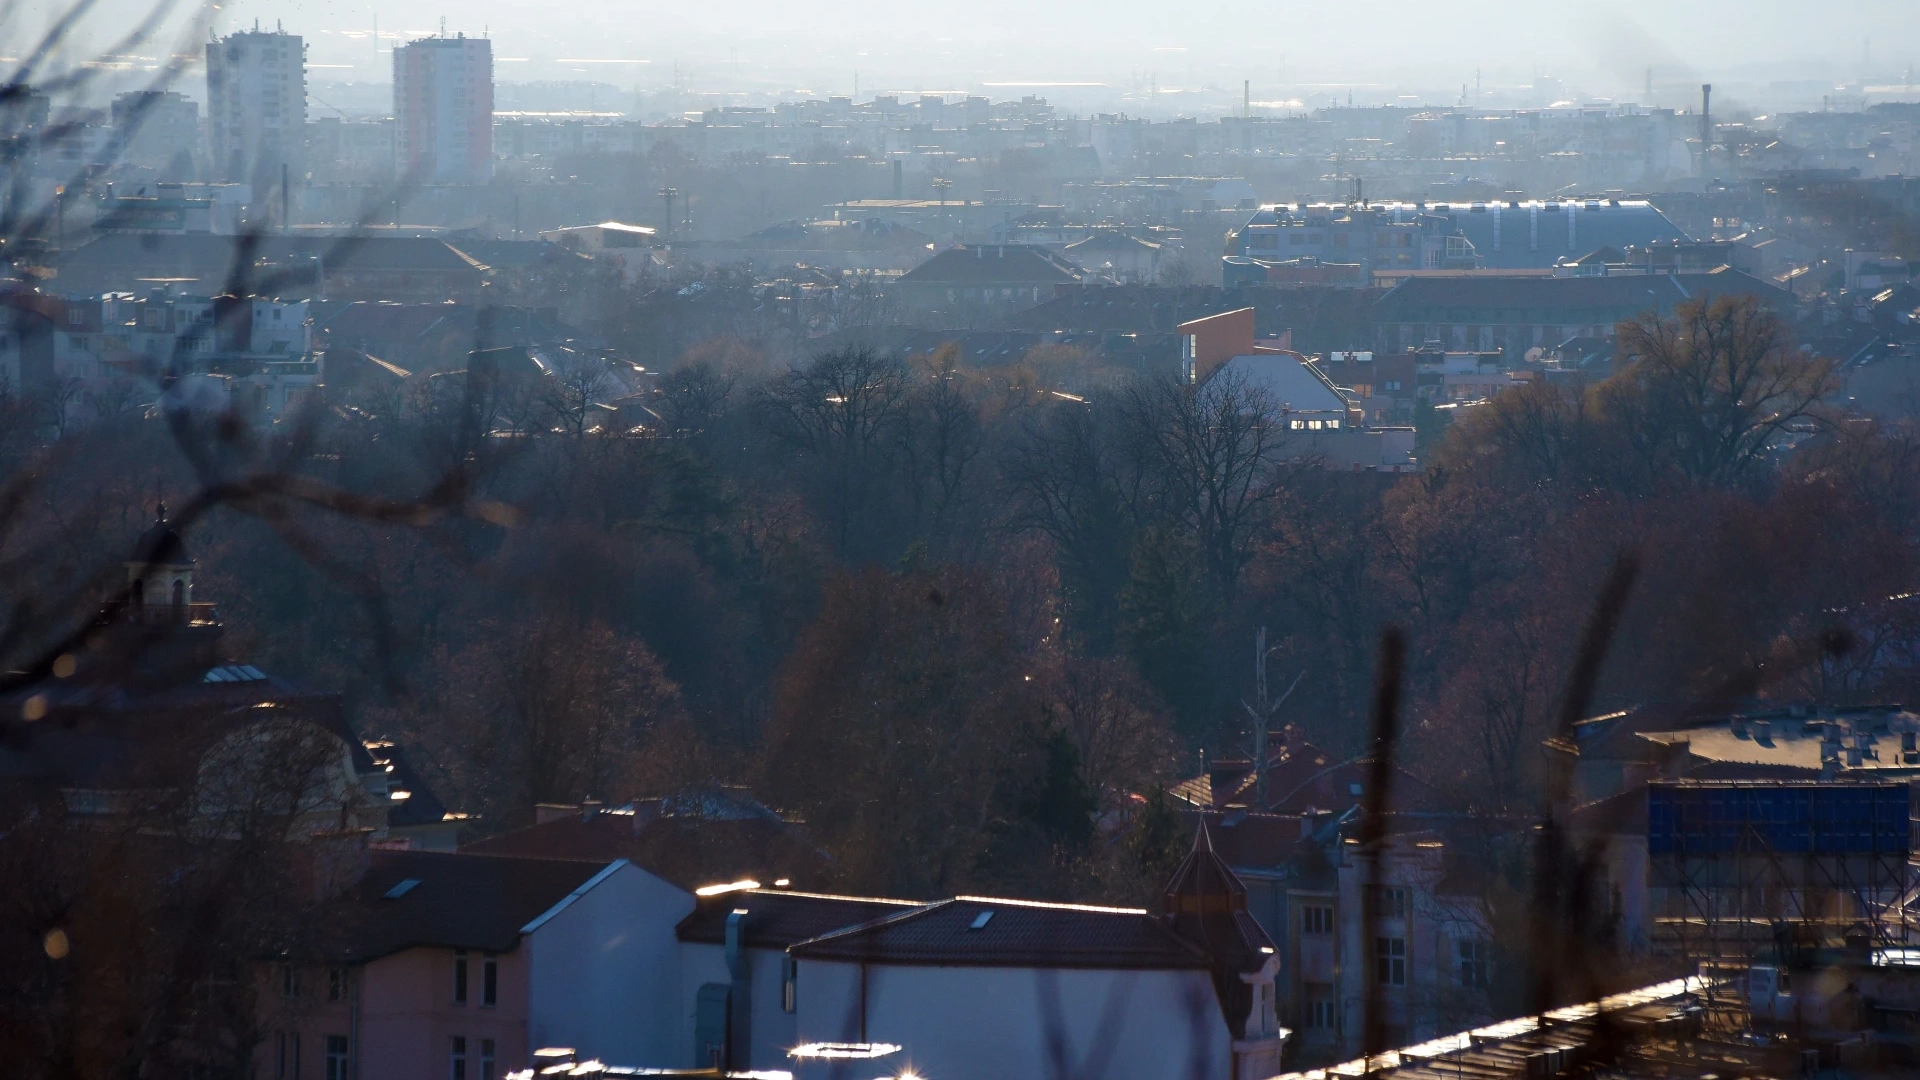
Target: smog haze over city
pixel 1147 58
pixel 1048 540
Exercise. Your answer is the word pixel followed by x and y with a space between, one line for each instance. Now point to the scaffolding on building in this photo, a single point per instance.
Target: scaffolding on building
pixel 1737 868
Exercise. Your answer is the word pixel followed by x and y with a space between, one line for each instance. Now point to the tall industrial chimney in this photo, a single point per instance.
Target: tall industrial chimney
pixel 1706 117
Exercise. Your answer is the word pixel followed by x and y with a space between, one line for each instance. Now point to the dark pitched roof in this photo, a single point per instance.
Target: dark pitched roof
pixel 519 254
pixel 420 806
pixel 458 900
pixel 1611 294
pixel 1015 933
pixel 210 261
pixel 1109 240
pixel 1206 904
pixel 778 918
pixel 160 545
pixel 994 264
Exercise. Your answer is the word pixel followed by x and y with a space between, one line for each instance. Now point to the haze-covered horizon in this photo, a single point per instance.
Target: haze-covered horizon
pixel 1148 59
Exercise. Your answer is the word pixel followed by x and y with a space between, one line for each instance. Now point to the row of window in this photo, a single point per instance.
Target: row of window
pixel 485 1062
pixel 467 1059
pixel 489 979
pixel 1473 958
pixel 1473 962
pixel 287 1059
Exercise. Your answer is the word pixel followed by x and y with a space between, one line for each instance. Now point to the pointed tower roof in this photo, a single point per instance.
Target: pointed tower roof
pixel 1207 904
pixel 160 545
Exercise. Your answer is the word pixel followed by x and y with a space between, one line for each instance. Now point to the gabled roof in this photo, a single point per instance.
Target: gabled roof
pixel 992 264
pixel 1108 241
pixel 456 900
pixel 1292 384
pixel 778 918
pixel 978 931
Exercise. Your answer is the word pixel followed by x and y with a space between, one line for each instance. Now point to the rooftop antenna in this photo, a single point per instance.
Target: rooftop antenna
pixel 1261 712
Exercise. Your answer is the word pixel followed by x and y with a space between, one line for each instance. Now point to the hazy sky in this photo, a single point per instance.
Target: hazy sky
pixel 996 44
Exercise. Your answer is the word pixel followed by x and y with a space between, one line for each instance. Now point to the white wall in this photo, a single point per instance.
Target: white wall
pixel 774 1031
pixel 981 1023
pixel 604 971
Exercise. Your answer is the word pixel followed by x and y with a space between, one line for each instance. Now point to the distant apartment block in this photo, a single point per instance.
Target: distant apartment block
pixel 257 106
pixel 443 110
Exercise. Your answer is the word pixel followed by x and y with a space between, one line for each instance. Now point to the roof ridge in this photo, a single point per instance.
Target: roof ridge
pixel 1053 905
pixel 836 896
pixel 872 924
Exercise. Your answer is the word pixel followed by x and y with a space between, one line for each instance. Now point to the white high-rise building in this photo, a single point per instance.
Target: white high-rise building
pixel 257 107
pixel 443 110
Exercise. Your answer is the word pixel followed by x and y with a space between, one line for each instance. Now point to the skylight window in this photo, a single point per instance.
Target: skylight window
pixel 402 889
pixel 980 921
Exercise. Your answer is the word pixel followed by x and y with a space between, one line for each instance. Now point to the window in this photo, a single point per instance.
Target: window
pixel 1316 919
pixel 1387 902
pixel 459 976
pixel 287 1065
pixel 336 1057
pixel 490 980
pixel 289 981
pixel 1389 961
pixel 336 983
pixel 486 1059
pixel 1475 964
pixel 457 1059
pixel 1321 1014
pixel 789 991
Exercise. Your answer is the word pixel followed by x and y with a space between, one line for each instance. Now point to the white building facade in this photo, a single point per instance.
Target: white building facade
pixel 257 106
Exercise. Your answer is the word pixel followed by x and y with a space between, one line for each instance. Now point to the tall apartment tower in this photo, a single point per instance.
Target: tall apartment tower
pixel 443 110
pixel 257 107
